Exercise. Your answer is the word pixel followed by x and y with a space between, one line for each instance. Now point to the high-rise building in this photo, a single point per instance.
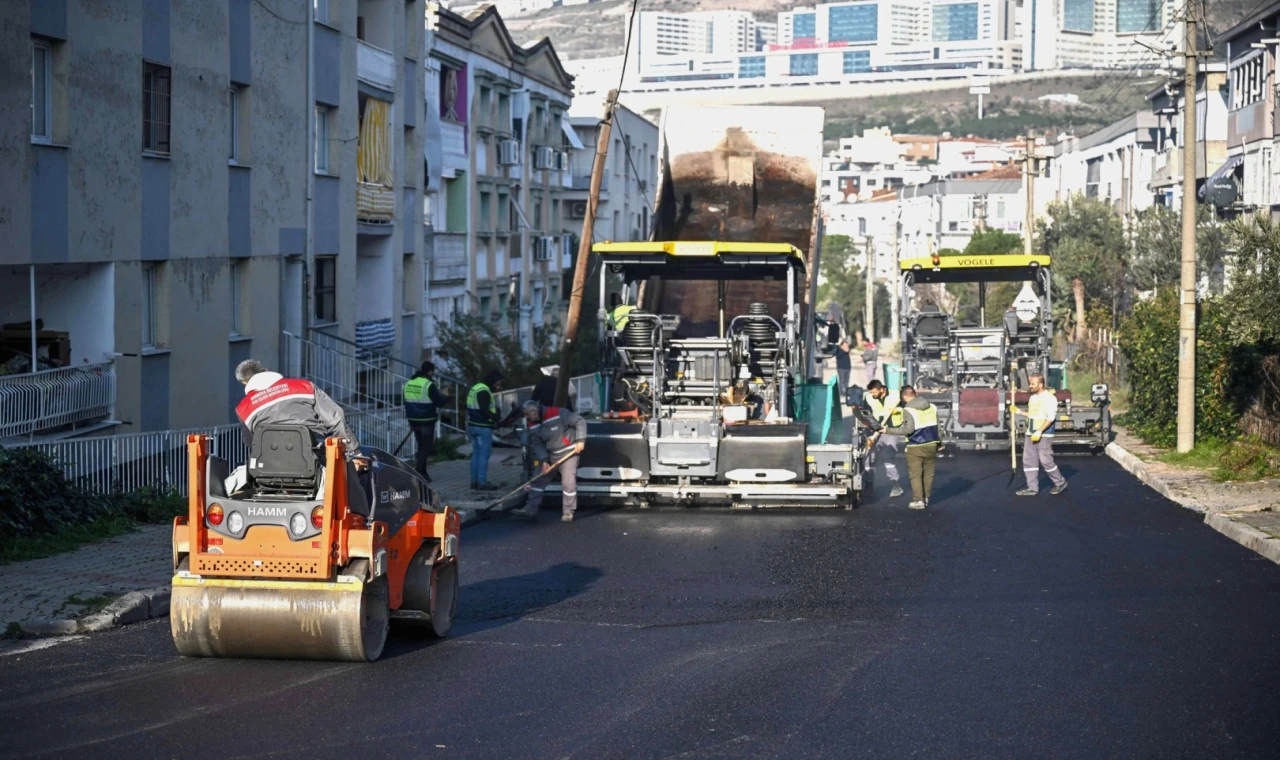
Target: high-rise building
pixel 1060 34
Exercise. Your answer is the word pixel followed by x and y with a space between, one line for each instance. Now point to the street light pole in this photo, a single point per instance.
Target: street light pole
pixel 1187 298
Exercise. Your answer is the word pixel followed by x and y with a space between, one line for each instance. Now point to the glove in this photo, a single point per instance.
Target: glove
pixel 1035 437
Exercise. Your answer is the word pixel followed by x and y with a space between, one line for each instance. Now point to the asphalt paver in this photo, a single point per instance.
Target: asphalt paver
pixel 1104 622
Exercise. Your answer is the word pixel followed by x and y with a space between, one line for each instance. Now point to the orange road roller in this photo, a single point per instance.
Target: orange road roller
pixel 307 553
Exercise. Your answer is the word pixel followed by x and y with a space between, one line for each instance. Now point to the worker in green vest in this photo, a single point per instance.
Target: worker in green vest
pixel 422 402
pixel 482 418
pixel 618 315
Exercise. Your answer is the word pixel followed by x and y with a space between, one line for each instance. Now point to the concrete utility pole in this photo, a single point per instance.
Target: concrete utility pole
pixel 584 252
pixel 1028 182
pixel 870 286
pixel 1187 301
pixel 894 306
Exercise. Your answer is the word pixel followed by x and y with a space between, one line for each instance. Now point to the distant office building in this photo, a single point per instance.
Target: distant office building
pixel 1058 34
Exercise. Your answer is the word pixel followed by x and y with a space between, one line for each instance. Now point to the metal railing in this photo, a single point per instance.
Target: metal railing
pixel 333 351
pixel 584 395
pixel 39 401
pixel 124 463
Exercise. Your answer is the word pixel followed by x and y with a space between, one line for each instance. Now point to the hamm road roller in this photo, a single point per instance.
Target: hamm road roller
pixel 307 553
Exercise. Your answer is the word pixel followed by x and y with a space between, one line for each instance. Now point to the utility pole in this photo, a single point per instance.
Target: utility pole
pixel 1028 182
pixel 894 286
pixel 980 212
pixel 1187 300
pixel 870 287
pixel 584 253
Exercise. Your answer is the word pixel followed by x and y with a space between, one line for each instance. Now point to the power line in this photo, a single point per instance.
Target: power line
pixel 626 47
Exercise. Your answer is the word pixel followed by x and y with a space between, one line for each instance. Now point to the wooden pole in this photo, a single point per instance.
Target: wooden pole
pixel 584 253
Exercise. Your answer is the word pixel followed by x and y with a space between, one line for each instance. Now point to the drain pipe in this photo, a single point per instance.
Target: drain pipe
pixel 309 257
pixel 35 362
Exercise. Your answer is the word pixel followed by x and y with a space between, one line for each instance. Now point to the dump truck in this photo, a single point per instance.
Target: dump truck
pixel 971 370
pixel 710 386
pixel 310 554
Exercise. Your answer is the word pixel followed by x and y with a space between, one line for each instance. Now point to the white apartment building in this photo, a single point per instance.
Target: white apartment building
pixel 701 32
pixel 1062 34
pixel 630 180
pixel 1114 164
pixel 498 167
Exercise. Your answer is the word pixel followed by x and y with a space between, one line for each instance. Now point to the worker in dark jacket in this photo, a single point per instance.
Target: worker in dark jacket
pixel 554 433
pixel 482 418
pixel 272 399
pixel 422 402
pixel 920 426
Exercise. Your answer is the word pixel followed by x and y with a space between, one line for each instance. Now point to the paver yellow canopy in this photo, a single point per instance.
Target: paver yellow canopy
pixel 311 556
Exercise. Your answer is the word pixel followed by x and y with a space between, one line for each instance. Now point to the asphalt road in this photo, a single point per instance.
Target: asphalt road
pixel 1105 622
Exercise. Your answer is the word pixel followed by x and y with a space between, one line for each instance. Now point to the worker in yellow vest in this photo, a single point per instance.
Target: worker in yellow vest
pixel 1037 447
pixel 422 402
pixel 885 407
pixel 920 426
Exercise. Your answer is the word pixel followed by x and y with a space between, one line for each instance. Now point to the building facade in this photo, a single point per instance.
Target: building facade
pixel 498 182
pixel 1114 165
pixel 629 184
pixel 1249 179
pixel 159 210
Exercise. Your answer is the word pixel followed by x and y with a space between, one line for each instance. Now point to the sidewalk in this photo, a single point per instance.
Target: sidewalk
pixel 1248 513
pixel 126 579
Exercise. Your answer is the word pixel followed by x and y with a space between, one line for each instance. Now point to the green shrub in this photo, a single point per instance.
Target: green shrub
pixel 1248 459
pixel 36 498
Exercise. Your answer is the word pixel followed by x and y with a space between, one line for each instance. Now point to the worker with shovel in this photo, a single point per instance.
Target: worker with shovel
pixel 552 437
pixel 885 406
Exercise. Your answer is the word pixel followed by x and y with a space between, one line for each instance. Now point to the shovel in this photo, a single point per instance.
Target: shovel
pixel 555 466
pixel 1013 444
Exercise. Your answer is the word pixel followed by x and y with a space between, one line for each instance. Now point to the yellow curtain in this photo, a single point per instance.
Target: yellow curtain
pixel 375 144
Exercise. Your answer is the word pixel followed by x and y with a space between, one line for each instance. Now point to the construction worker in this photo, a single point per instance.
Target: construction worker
pixel 618 315
pixel 870 357
pixel 422 401
pixel 1037 447
pixel 920 426
pixel 844 365
pixel 482 417
pixel 885 407
pixel 554 433
pixel 271 398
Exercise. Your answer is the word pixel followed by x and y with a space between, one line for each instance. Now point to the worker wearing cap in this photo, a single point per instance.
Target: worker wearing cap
pixel 482 417
pixel 1037 447
pixel 422 401
pixel 920 426
pixel 885 407
pixel 553 434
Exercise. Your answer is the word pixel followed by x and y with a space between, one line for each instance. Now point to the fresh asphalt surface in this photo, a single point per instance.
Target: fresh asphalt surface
pixel 1105 622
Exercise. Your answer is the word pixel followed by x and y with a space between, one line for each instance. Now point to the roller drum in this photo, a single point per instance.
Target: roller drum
pixel 288 620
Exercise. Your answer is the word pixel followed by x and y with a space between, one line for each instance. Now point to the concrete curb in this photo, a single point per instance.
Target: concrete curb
pixel 148 604
pixel 1138 469
pixel 1245 535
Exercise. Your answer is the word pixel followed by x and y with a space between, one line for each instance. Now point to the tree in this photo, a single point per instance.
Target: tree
pixel 1157 248
pixel 988 242
pixel 1085 238
pixel 1255 280
pixel 474 345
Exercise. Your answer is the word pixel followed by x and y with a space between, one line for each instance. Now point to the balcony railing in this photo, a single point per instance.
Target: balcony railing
pixel 375 65
pixel 37 402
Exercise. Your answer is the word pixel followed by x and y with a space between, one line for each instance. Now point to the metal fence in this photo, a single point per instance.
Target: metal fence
pixel 38 401
pixel 585 393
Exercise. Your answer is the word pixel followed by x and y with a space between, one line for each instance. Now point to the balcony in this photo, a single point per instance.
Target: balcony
pixel 375 66
pixel 43 403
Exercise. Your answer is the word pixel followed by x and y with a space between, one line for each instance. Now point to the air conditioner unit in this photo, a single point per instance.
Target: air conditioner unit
pixel 543 248
pixel 544 158
pixel 508 152
pixel 578 210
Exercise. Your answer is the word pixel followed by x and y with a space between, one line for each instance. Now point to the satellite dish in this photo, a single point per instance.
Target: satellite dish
pixel 1222 191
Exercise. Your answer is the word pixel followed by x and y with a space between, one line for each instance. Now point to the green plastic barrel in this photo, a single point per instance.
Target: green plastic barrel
pixel 893 374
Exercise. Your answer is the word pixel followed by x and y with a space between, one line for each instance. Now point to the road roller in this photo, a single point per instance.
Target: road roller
pixel 308 552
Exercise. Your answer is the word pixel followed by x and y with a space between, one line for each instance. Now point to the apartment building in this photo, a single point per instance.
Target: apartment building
pixel 629 184
pixel 700 32
pixel 1212 130
pixel 1060 34
pixel 1114 164
pixel 157 226
pixel 498 180
pixel 1249 179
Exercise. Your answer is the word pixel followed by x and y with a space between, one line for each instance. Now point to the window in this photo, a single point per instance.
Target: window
pixel 41 91
pixel 322 11
pixel 486 211
pixel 155 107
pixel 954 23
pixel 555 222
pixel 537 216
pixel 1247 82
pixel 484 307
pixel 326 289
pixel 322 140
pixel 854 23
pixel 233 103
pixel 857 62
pixel 953 226
pixel 804 65
pixel 1000 208
pixel 862 226
pixel 148 305
pixel 239 324
pixel 484 117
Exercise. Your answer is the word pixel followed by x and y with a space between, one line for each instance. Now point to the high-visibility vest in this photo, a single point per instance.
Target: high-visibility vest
pixel 880 407
pixel 619 316
pixel 477 416
pixel 418 406
pixel 926 432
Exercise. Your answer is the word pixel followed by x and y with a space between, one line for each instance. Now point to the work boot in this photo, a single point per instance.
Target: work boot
pixel 916 505
pixel 566 517
pixel 1058 489
pixel 524 514
pixel 895 491
pixel 473 485
pixel 484 487
pixel 1027 492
